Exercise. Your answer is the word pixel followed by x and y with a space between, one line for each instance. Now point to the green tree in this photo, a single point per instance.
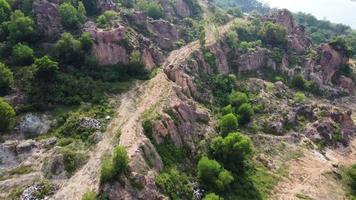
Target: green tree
pixel 273 34
pixel 68 49
pixel 69 16
pixel 7 116
pixel 6 79
pixel 212 175
pixel 136 66
pixel 212 196
pixel 151 8
pixel 232 151
pixel 175 184
pixel 127 3
pixel 82 13
pixel 20 27
pixel 232 39
pixel 86 42
pixel 228 123
pixel 236 99
pixel 45 70
pixel 120 160
pixel 22 54
pixel 245 113
pixel 89 196
pixel 5 11
pixel 107 19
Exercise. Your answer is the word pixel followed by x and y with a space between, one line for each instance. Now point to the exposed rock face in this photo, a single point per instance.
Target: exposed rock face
pixel 32 124
pixel 26 146
pixel 104 5
pixel 48 18
pixel 220 53
pixel 346 84
pixel 253 61
pixel 54 168
pixel 107 48
pixel 331 60
pixel 297 38
pixel 180 126
pixel 167 34
pixel 182 8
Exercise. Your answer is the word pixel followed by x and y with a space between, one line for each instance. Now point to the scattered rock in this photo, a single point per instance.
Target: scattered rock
pixel 166 32
pixel 89 123
pixel 26 146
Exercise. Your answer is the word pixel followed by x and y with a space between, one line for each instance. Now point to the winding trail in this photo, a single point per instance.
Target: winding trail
pixel 127 120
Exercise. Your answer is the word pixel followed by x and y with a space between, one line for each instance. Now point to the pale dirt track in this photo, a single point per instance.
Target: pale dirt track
pixel 132 105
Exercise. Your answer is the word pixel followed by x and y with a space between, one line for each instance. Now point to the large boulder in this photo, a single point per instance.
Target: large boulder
pixel 48 18
pixel 182 8
pixel 330 61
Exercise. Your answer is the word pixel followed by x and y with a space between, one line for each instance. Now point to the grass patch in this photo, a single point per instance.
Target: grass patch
pixel 114 165
pixel 20 170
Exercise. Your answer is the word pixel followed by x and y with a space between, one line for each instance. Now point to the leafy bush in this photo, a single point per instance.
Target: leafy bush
pixel 175 184
pixel 6 79
pixel 86 42
pixel 89 196
pixel 222 85
pixel 228 123
pixel 68 49
pixel 349 178
pixel 7 116
pixel 212 175
pixel 21 28
pixel 69 16
pixel 299 97
pixel 245 113
pixel 136 67
pixel 45 70
pixel 235 12
pixel 236 99
pixel 114 165
pixel 127 3
pixel 212 196
pixel 73 160
pixel 227 110
pixel 5 11
pixel 171 154
pixel 151 8
pixel 107 19
pixel 232 151
pixel 22 54
pixel 273 34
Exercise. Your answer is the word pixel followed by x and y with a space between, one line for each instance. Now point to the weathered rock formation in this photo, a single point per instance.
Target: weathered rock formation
pixel 297 38
pixel 166 33
pixel 104 5
pixel 48 18
pixel 253 61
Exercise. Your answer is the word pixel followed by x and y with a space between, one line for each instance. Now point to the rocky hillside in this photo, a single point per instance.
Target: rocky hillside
pixel 173 100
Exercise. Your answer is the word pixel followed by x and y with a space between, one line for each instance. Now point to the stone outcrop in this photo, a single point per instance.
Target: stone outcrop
pixel 253 61
pixel 48 18
pixel 104 5
pixel 33 124
pixel 54 167
pixel 166 33
pixel 330 61
pixel 346 84
pixel 182 8
pixel 180 125
pixel 297 38
pixel 107 48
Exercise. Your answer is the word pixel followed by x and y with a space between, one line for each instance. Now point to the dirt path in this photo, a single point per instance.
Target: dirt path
pixel 132 105
pixel 87 178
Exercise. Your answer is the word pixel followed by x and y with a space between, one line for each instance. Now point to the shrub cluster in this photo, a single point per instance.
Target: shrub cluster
pixel 114 165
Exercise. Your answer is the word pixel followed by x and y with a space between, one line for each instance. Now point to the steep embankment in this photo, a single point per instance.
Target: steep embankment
pixel 127 121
